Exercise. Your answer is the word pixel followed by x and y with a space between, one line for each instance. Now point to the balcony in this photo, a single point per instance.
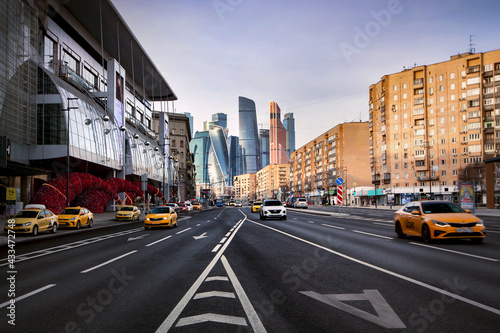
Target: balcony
pixel 376 179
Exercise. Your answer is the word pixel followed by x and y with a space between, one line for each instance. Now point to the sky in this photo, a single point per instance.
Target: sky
pixel 315 58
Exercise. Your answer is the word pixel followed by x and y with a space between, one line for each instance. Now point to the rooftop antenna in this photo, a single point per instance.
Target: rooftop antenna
pixel 472 49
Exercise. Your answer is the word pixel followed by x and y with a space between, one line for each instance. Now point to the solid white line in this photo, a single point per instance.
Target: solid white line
pixel 452 251
pixel 375 235
pixel 180 232
pixel 385 225
pixel 332 226
pixel 207 294
pixel 17 299
pixel 247 305
pixel 223 240
pixel 216 248
pixel 380 269
pixel 160 240
pixel 107 262
pixel 172 317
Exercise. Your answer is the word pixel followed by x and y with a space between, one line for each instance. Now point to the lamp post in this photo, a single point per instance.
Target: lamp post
pixel 68 108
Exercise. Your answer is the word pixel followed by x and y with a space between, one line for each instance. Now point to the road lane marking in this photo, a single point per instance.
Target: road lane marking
pixel 247 305
pixel 160 240
pixel 383 270
pixel 216 248
pixel 212 317
pixel 108 262
pixel 216 278
pixel 223 240
pixel 370 234
pixel 311 222
pixel 228 234
pixel 17 299
pixel 180 232
pixel 332 226
pixel 384 224
pixel 207 294
pixel 452 251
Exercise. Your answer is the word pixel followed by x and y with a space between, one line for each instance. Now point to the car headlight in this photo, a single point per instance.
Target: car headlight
pixel 25 224
pixel 73 218
pixel 479 223
pixel 440 224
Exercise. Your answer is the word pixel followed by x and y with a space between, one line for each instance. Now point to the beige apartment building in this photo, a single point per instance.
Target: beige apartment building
pixel 273 181
pixel 245 187
pixel 343 151
pixel 429 121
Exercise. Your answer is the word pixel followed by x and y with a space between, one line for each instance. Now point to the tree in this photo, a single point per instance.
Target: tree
pixel 474 173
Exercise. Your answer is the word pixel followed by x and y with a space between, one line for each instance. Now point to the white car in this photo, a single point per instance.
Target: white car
pixel 189 206
pixel 272 209
pixel 301 203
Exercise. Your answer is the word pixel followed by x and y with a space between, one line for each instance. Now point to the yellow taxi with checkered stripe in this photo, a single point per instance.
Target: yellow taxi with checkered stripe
pixel 163 216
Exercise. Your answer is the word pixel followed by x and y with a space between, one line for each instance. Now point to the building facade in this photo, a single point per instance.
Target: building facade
pixel 249 136
pixel 429 121
pixel 70 91
pixel 264 146
pixel 273 182
pixel 343 152
pixel 289 123
pixel 277 136
pixel 245 187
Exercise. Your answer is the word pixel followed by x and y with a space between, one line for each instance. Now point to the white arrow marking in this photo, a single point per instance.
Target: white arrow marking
pixel 386 316
pixel 203 235
pixel 136 238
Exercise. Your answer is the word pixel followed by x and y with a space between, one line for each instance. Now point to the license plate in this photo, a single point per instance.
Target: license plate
pixel 464 230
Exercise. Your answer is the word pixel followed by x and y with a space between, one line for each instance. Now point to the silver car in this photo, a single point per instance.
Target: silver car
pixel 301 203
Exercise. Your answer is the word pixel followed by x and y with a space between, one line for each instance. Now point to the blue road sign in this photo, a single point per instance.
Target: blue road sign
pixel 339 181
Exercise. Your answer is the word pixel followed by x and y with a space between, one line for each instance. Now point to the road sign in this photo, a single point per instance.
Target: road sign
pixel 339 181
pixel 339 195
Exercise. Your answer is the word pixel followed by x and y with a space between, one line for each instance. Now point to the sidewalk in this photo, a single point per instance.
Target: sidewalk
pixel 102 220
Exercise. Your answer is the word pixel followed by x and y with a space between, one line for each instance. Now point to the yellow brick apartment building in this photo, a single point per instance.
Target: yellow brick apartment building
pixel 273 181
pixel 245 187
pixel 427 122
pixel 341 151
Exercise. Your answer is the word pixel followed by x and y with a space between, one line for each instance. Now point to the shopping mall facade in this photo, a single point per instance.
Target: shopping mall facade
pixel 77 91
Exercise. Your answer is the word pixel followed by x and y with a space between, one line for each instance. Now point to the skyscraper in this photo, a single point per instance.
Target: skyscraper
pixel 277 136
pixel 220 119
pixel 191 124
pixel 264 147
pixel 249 136
pixel 289 123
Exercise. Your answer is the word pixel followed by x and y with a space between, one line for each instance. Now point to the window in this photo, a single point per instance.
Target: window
pixel 441 77
pixel 395 97
pixel 441 88
pixel 71 60
pixel 452 75
pixel 181 143
pixel 452 86
pixel 395 87
pixel 431 79
pixel 50 52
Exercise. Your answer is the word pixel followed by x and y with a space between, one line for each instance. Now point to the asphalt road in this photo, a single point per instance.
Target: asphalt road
pixel 224 270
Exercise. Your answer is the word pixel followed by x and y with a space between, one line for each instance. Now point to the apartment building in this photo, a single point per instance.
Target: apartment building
pixel 427 122
pixel 273 181
pixel 342 151
pixel 245 187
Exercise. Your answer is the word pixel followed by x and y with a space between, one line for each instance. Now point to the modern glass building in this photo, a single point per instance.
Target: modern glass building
pixel 234 157
pixel 289 123
pixel 264 147
pixel 277 136
pixel 71 91
pixel 249 136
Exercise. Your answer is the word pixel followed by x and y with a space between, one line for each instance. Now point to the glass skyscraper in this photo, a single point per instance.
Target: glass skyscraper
pixel 249 136
pixel 289 123
pixel 264 147
pixel 277 136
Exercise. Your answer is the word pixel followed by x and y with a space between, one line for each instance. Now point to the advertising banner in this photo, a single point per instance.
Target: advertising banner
pixel 466 193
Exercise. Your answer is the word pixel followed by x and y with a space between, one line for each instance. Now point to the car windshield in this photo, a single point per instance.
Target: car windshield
pixel 160 210
pixel 257 203
pixel 440 207
pixel 70 211
pixel 170 205
pixel 181 204
pixel 27 214
pixel 273 203
pixel 196 203
pixel 127 209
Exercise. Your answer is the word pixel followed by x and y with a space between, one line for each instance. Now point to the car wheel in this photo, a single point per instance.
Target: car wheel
pixel 426 234
pixel 54 228
pixel 35 230
pixel 399 230
pixel 91 223
pixel 77 225
pixel 284 217
pixel 262 217
pixel 477 240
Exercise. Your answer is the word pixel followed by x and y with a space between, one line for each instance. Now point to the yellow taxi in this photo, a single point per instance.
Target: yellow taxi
pixel 31 220
pixel 131 213
pixel 256 206
pixel 434 219
pixel 163 216
pixel 76 217
pixel 197 205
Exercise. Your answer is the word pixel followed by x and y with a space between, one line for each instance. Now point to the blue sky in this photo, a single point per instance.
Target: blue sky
pixel 315 58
